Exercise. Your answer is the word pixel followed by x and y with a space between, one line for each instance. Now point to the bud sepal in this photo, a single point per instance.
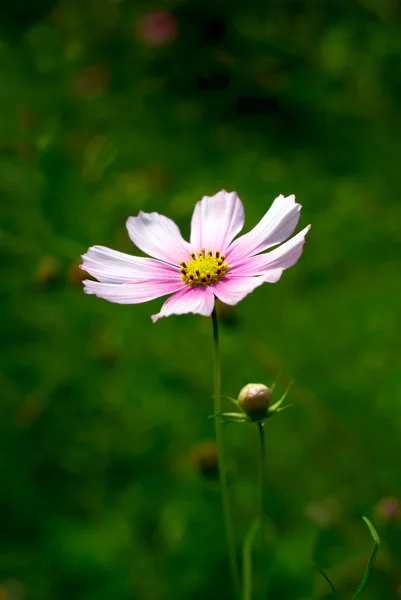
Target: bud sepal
pixel 260 413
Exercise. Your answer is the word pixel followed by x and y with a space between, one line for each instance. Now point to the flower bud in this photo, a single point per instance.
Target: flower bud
pixel 254 399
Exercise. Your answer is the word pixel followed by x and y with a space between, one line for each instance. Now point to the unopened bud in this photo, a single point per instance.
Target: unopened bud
pixel 254 399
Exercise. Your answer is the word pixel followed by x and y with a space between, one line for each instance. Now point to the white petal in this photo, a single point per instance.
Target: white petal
pixel 131 293
pixel 283 257
pixel 232 290
pixel 198 300
pixel 272 275
pixel 216 221
pixel 276 226
pixel 159 237
pixel 111 266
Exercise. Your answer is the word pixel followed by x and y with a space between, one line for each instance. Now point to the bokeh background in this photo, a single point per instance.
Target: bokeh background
pixel 107 463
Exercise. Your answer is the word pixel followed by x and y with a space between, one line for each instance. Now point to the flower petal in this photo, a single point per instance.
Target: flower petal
pixel 268 265
pixel 276 226
pixel 232 290
pixel 132 293
pixel 111 266
pixel 198 300
pixel 159 237
pixel 216 221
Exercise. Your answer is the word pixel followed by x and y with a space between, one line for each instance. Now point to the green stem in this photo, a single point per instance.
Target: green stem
pixel 247 560
pixel 262 479
pixel 222 460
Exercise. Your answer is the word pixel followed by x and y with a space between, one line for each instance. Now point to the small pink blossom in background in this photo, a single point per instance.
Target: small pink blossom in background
pixel 157 28
pixel 389 508
pixel 212 264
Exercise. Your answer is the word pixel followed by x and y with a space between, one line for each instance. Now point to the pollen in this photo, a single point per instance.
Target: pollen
pixel 204 268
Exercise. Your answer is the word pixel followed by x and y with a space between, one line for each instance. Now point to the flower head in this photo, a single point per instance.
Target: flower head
pixel 157 28
pixel 254 399
pixel 210 265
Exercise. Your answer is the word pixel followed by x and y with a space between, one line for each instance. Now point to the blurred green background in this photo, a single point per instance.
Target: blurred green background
pixel 106 449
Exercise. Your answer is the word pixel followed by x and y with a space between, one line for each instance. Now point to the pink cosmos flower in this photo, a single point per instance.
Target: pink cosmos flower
pixel 157 28
pixel 210 265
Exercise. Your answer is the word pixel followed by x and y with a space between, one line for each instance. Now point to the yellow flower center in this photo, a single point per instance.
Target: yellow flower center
pixel 204 268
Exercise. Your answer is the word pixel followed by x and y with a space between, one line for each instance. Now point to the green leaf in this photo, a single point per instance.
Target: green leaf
pixel 233 400
pixel 272 387
pixel 232 417
pixel 371 561
pixel 323 574
pixel 276 406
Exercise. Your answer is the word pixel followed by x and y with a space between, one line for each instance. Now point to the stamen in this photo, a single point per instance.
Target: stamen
pixel 204 268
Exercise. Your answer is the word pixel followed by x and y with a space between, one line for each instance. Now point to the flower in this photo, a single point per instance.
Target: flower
pixel 388 508
pixel 210 265
pixel 157 28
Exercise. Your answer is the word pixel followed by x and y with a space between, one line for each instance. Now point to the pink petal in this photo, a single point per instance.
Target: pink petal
pixel 276 226
pixel 111 266
pixel 159 237
pixel 198 300
pixel 132 293
pixel 271 265
pixel 216 221
pixel 232 290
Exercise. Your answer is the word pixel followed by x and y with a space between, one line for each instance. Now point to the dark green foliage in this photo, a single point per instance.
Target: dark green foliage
pixel 100 410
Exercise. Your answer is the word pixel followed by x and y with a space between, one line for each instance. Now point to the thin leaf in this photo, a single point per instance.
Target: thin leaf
pixel 323 574
pixel 281 409
pixel 233 400
pixel 232 417
pixel 272 387
pixel 277 404
pixel 372 530
pixel 371 561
